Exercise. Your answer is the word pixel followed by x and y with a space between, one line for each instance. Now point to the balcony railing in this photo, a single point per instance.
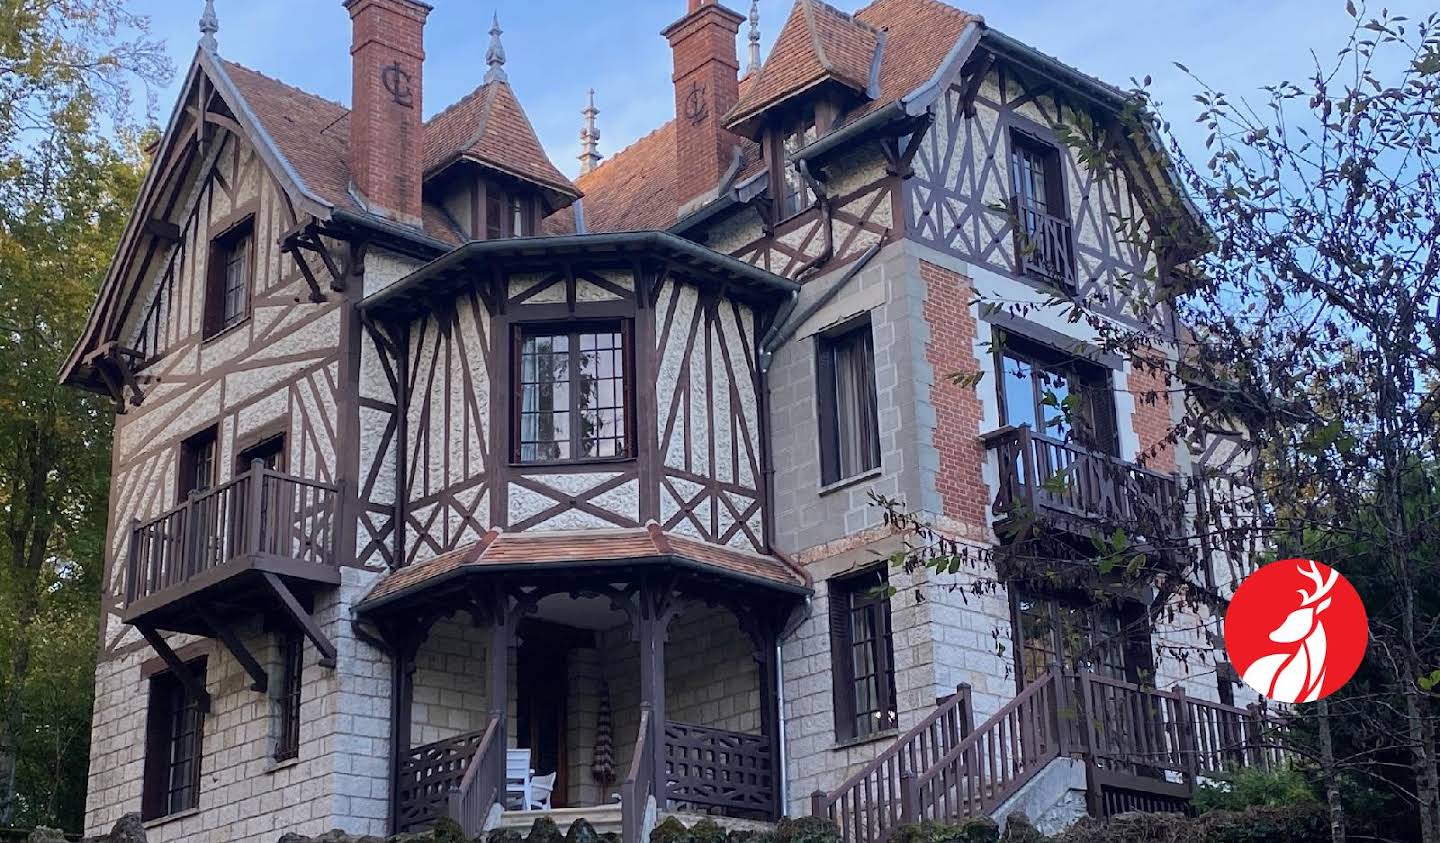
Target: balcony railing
pixel 261 513
pixel 1042 476
pixel 1044 246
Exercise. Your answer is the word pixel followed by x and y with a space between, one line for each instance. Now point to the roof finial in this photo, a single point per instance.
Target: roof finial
pixel 754 37
pixel 209 25
pixel 495 56
pixel 589 137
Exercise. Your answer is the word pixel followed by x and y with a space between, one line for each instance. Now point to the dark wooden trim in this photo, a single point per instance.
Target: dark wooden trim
pixel 302 618
pixel 259 679
pixel 179 668
pixel 194 651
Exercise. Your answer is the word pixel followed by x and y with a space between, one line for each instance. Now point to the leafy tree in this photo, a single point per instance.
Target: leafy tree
pixel 69 173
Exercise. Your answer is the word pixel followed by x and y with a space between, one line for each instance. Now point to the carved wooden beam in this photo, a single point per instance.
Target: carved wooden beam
pixel 975 80
pixel 301 618
pixel 178 667
pixel 163 230
pixel 259 679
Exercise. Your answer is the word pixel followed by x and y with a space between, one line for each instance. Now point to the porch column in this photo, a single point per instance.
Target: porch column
pixel 652 624
pixel 497 665
pixel 763 625
pixel 403 645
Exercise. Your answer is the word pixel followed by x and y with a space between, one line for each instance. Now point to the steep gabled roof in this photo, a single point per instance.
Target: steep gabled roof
pixel 818 43
pixel 489 127
pixel 313 135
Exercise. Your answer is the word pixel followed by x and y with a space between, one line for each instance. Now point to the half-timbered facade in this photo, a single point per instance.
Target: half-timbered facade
pixel 434 467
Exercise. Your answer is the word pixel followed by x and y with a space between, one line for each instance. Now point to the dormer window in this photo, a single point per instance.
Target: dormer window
pixel 791 189
pixel 506 214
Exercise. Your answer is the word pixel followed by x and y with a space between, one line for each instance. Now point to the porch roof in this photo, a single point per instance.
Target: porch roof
pixel 549 552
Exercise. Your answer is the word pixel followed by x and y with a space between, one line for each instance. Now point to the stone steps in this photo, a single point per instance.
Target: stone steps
pixel 604 818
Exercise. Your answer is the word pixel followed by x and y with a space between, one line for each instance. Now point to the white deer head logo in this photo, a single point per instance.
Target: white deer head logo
pixel 1296 673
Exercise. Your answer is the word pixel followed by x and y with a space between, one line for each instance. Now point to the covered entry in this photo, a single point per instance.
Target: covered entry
pixel 635 666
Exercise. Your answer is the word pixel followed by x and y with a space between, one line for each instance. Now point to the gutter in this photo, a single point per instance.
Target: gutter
pixel 622 239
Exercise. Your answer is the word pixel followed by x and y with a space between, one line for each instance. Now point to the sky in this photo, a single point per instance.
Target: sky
pixel 557 49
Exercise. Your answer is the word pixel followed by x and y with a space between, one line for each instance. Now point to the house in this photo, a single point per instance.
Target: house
pixel 425 453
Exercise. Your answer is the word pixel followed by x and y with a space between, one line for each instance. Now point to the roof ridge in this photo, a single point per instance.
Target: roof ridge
pixel 486 109
pixel 457 103
pixel 935 4
pixel 615 156
pixel 815 44
pixel 285 84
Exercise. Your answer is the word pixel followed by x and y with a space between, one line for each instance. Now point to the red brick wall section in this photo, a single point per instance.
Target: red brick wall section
pixel 958 415
pixel 1150 388
pixel 386 141
pixel 707 85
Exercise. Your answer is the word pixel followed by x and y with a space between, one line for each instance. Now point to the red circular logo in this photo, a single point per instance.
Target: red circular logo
pixel 1296 630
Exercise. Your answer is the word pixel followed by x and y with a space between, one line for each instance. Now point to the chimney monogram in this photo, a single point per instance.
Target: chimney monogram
pixel 696 108
pixel 397 84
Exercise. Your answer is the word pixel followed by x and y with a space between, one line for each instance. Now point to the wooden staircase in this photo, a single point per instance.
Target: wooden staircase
pixel 1143 749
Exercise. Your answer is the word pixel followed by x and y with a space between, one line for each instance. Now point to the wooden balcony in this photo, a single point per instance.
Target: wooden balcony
pixel 1063 485
pixel 1044 246
pixel 236 548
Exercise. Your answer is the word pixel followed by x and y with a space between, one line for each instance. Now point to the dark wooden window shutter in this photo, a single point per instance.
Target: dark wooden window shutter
pixel 825 384
pixel 842 668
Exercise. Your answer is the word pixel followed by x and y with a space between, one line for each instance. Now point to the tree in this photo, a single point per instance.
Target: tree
pixel 66 187
pixel 1313 324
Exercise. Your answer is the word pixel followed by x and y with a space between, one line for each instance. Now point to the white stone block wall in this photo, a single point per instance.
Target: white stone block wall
pixel 450 677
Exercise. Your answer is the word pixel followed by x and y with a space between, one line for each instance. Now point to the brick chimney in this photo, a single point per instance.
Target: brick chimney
pixel 387 57
pixel 707 85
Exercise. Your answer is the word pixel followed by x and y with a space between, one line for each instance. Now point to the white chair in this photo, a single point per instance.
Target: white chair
pixel 540 789
pixel 517 779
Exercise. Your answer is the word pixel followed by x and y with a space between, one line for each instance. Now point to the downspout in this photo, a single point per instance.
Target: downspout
pixel 784 778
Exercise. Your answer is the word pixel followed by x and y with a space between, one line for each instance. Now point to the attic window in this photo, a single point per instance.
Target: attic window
pixel 794 193
pixel 505 214
pixel 227 289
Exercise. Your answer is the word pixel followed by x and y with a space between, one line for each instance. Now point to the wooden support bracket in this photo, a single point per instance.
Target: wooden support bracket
pixel 302 619
pixel 181 670
pixel 259 679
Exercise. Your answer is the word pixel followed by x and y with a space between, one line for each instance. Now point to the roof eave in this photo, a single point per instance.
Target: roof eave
pixel 393 296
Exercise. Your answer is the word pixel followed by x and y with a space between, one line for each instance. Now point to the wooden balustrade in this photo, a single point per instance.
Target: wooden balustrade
pixel 1044 245
pixel 260 512
pixel 994 761
pixel 1130 738
pixel 429 773
pixel 868 805
pixel 470 800
pixel 718 768
pixel 1050 477
pixel 639 786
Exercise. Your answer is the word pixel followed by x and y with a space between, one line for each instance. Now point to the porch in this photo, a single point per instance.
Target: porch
pixel 643 685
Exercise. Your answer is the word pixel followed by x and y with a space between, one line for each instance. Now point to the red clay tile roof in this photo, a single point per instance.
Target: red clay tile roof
pixel 634 189
pixel 579 546
pixel 313 134
pixel 818 42
pixel 490 127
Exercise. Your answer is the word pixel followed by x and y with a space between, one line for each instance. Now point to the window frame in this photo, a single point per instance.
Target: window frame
pixel 1094 381
pixel 807 128
pixel 1023 139
pixel 625 327
pixel 1127 638
pixel 216 319
pixel 829 413
pixel 169 701
pixel 497 209
pixel 204 442
pixel 843 591
pixel 289 695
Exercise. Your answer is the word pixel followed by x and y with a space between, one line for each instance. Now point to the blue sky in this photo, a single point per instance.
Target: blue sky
pixel 559 48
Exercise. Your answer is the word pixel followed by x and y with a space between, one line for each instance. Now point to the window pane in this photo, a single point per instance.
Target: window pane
pixel 545 397
pixel 600 395
pixel 856 436
pixel 237 261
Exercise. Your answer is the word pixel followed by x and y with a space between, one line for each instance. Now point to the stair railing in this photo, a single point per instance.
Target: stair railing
pixel 639 783
pixel 472 799
pixel 993 761
pixel 867 806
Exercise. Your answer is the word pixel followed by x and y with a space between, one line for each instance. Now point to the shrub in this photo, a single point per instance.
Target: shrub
pixel 981 830
pixel 806 830
pixel 1254 787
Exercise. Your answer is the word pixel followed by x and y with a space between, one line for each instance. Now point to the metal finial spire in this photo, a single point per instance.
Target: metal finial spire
pixel 209 25
pixel 589 137
pixel 754 37
pixel 495 56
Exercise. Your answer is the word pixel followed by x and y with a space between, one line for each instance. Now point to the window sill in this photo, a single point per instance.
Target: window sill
pixel 850 481
pixel 276 766
pixel 224 332
pixel 170 818
pixel 571 463
pixel 873 737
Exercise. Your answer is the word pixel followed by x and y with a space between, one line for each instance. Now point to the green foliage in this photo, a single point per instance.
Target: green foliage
pixel 670 830
pixel 983 830
pixel 1254 787
pixel 448 831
